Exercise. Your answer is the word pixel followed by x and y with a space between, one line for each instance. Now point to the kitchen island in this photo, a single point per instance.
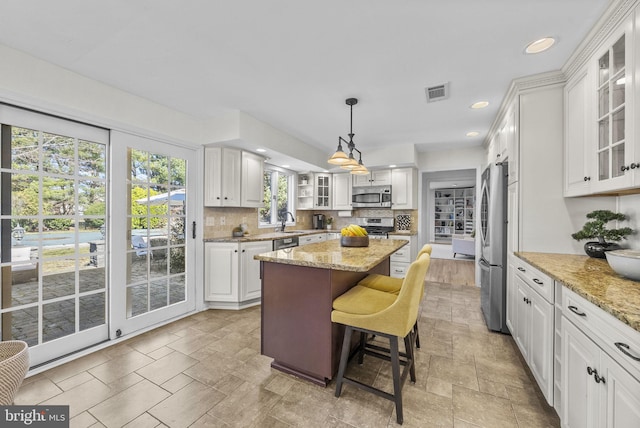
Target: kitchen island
pixel 298 288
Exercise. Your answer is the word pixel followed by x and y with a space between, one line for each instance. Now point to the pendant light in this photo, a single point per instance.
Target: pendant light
pixel 340 157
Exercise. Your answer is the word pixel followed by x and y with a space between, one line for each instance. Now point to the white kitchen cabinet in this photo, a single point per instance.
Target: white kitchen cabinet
pixel 311 239
pixel 233 178
pixel 322 191
pixel 400 260
pixel 404 189
pixel 512 146
pixel 305 191
pixel 600 367
pixel 342 185
pixel 250 282
pixel 602 147
pixel 333 235
pixel 380 177
pixel 597 391
pixel 577 140
pixel 252 189
pixel 232 276
pixel 532 321
pixel 512 290
pixel 221 272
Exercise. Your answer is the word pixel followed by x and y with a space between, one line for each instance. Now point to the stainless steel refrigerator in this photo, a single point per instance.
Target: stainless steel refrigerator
pixel 493 239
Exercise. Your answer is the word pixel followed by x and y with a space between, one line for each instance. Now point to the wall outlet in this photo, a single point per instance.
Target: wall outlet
pixel 223 221
pixel 210 221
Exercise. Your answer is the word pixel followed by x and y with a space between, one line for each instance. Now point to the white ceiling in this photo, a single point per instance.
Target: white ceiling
pixel 292 63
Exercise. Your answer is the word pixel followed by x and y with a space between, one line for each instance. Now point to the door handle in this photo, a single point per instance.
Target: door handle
pixel 193 230
pixel 576 311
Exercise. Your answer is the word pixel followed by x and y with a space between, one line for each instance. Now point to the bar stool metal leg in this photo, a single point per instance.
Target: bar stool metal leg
pixel 344 359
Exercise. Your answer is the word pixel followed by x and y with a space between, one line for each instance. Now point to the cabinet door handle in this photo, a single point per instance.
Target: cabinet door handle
pixel 598 378
pixel 225 198
pixel 576 311
pixel 193 230
pixel 624 348
pixel 521 269
pixel 591 371
pixel 537 281
pixel 624 168
pixel 587 179
pixel 634 165
pixel 218 197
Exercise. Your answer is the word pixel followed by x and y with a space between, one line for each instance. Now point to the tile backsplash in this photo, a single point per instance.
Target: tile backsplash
pixel 219 222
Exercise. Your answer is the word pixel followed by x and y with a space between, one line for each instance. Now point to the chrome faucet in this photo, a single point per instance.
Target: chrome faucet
pixel 284 219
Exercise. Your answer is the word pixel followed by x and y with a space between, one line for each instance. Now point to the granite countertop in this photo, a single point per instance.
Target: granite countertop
pixel 267 236
pixel 330 255
pixel 594 280
pixel 403 233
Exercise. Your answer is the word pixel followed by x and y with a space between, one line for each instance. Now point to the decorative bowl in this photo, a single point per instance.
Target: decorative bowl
pixel 625 263
pixel 354 241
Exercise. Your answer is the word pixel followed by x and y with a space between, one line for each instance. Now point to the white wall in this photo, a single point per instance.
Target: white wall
pixel 33 83
pixel 630 205
pixel 445 160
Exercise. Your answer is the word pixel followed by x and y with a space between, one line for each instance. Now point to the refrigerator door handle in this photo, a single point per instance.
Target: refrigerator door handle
pixel 484 264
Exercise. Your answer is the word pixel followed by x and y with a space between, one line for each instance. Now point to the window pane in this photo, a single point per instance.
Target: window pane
pixel 283 194
pixel 178 172
pixel 139 162
pixel 603 130
pixel 58 196
pixel 59 319
pixel 603 66
pixel 159 294
pixel 92 159
pixel 92 311
pixel 603 101
pixel 158 169
pixel 265 211
pixel 25 191
pixel 618 91
pixel 58 155
pixel 23 323
pixel 603 165
pixel 137 300
pixel 24 149
pixel 617 160
pixel 618 126
pixel 618 55
pixel 176 289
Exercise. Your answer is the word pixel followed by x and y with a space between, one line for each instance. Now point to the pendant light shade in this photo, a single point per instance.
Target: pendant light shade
pixel 340 157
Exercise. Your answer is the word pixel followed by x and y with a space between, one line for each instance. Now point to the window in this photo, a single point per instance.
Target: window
pixel 278 196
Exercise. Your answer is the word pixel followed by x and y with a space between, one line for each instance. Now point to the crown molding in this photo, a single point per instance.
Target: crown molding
pixel 615 14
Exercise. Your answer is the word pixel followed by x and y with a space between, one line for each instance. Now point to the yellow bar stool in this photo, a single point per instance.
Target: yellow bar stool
pixel 392 285
pixel 370 311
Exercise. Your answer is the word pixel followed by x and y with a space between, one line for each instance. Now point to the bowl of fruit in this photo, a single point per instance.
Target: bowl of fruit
pixel 354 236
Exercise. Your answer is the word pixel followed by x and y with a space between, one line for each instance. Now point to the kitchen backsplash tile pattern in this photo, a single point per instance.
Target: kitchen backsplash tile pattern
pixel 219 222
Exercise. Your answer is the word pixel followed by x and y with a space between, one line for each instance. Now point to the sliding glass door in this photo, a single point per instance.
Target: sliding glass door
pixel 153 230
pixel 53 218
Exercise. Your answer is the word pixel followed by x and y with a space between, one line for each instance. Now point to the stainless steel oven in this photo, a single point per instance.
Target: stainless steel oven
pixel 371 197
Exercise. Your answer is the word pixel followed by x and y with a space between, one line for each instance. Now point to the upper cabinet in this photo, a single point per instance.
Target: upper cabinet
pixel 503 146
pixel 342 191
pixel 602 145
pixel 381 177
pixel 233 178
pixel 404 189
pixel 322 191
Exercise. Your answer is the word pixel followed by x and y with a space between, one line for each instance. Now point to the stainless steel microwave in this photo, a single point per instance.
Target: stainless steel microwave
pixel 371 197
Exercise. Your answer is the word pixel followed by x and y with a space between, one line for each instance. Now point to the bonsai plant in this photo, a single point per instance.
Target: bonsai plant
pixel 596 228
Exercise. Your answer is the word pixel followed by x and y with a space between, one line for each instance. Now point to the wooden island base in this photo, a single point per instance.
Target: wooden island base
pixel 297 331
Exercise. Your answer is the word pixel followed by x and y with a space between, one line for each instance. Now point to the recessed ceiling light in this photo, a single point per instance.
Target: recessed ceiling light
pixel 480 104
pixel 286 166
pixel 392 166
pixel 260 150
pixel 454 185
pixel 540 45
pixel 473 134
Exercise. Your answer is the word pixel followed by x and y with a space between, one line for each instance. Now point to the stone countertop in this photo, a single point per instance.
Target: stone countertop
pixel 267 236
pixel 403 233
pixel 594 280
pixel 331 255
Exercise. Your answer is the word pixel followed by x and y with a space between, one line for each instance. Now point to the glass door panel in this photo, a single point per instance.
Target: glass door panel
pixel 157 283
pixel 52 221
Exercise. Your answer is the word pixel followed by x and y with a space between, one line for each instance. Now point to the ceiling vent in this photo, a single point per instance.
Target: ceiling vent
pixel 437 93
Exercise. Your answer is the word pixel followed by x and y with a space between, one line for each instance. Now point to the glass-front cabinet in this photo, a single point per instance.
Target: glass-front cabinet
pixel 322 191
pixel 614 147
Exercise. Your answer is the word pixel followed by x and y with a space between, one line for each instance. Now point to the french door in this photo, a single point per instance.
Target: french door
pixel 53 199
pixel 95 233
pixel 152 234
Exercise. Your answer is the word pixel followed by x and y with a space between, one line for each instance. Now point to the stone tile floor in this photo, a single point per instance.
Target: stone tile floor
pixel 206 370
